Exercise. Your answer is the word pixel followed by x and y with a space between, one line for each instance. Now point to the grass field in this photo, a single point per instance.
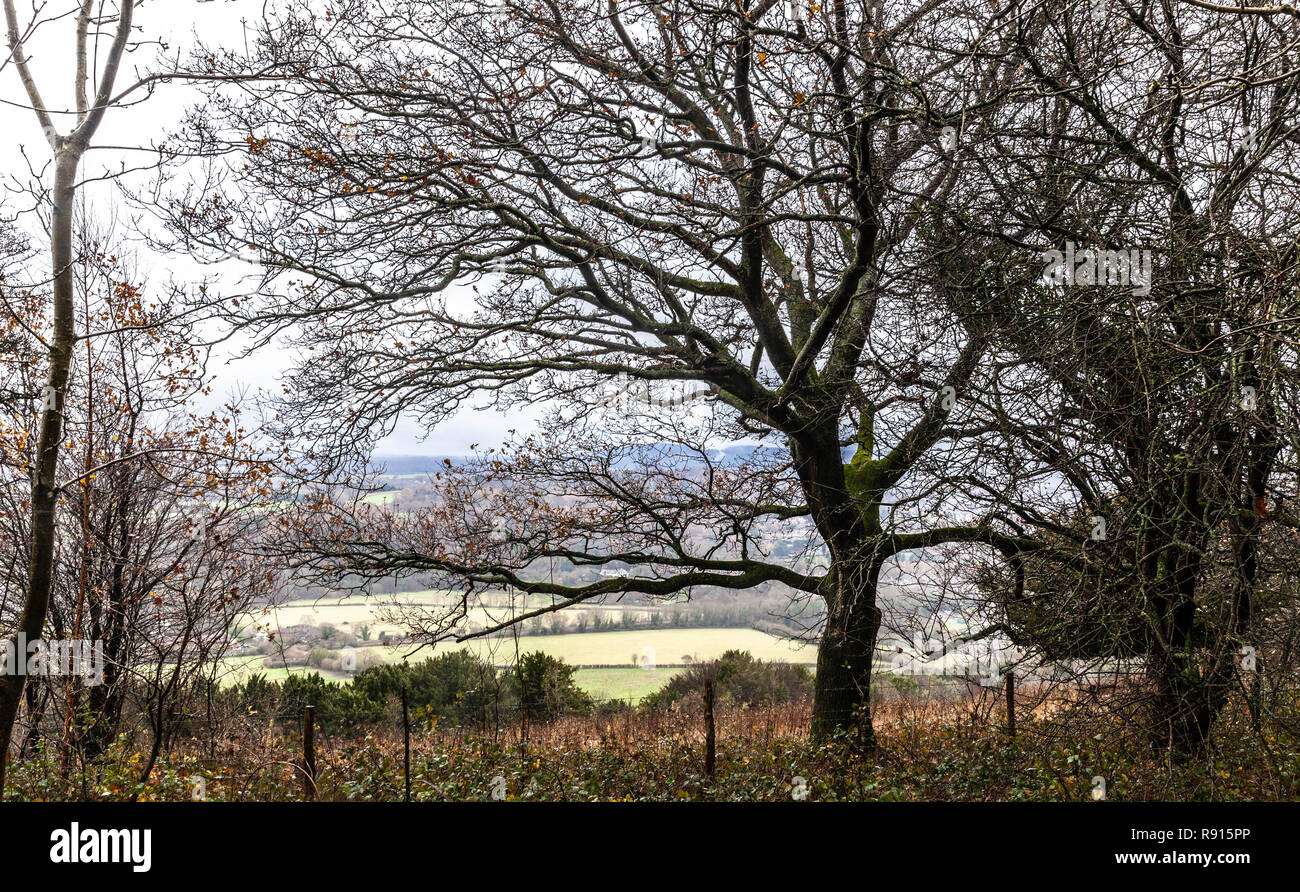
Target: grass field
pixel 666 646
pixel 622 684
pixel 601 684
pixel 348 614
pixel 236 669
pixel 618 648
pixel 381 498
pixel 351 613
pixel 613 648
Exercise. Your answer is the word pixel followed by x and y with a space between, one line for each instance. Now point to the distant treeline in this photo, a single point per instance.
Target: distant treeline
pixel 458 689
pixel 653 617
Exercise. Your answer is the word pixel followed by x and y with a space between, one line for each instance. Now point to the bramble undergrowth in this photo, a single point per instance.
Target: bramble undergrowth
pixel 953 750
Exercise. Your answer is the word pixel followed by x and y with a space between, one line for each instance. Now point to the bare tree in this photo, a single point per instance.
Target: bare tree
pixel 1128 225
pixel 159 505
pixel 67 150
pixel 708 207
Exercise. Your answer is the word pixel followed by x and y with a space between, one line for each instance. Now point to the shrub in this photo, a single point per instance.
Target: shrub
pixel 737 678
pixel 457 687
pixel 547 687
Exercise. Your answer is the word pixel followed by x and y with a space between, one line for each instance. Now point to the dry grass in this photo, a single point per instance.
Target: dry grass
pixel 930 747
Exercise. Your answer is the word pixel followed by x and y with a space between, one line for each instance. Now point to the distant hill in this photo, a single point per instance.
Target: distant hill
pixel 410 464
pixel 398 465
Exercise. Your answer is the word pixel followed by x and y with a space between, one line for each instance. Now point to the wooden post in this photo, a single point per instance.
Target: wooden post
pixel 709 742
pixel 1011 703
pixel 1257 684
pixel 309 752
pixel 523 709
pixel 406 739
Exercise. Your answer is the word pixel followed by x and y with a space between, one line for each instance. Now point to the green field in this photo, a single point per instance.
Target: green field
pixel 622 649
pixel 235 669
pixel 663 646
pixel 381 498
pixel 602 648
pixel 351 613
pixel 617 648
pixel 622 684
pixel 601 684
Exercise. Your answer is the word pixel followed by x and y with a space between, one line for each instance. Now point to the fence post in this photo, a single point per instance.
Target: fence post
pixel 523 710
pixel 1011 703
pixel 709 741
pixel 406 739
pixel 309 752
pixel 1257 685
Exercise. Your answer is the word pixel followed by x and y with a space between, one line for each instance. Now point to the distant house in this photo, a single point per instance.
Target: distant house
pixel 290 656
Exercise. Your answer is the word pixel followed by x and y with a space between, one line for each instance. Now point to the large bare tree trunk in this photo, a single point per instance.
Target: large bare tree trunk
pixel 1186 707
pixel 842 692
pixel 847 515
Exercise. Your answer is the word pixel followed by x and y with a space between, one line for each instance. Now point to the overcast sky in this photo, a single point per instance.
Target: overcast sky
pixel 122 136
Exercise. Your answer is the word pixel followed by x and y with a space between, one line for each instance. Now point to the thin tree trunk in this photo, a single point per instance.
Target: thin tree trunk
pixel 88 460
pixel 1011 703
pixel 710 742
pixel 44 492
pixel 406 746
pixel 309 753
pixel 68 152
